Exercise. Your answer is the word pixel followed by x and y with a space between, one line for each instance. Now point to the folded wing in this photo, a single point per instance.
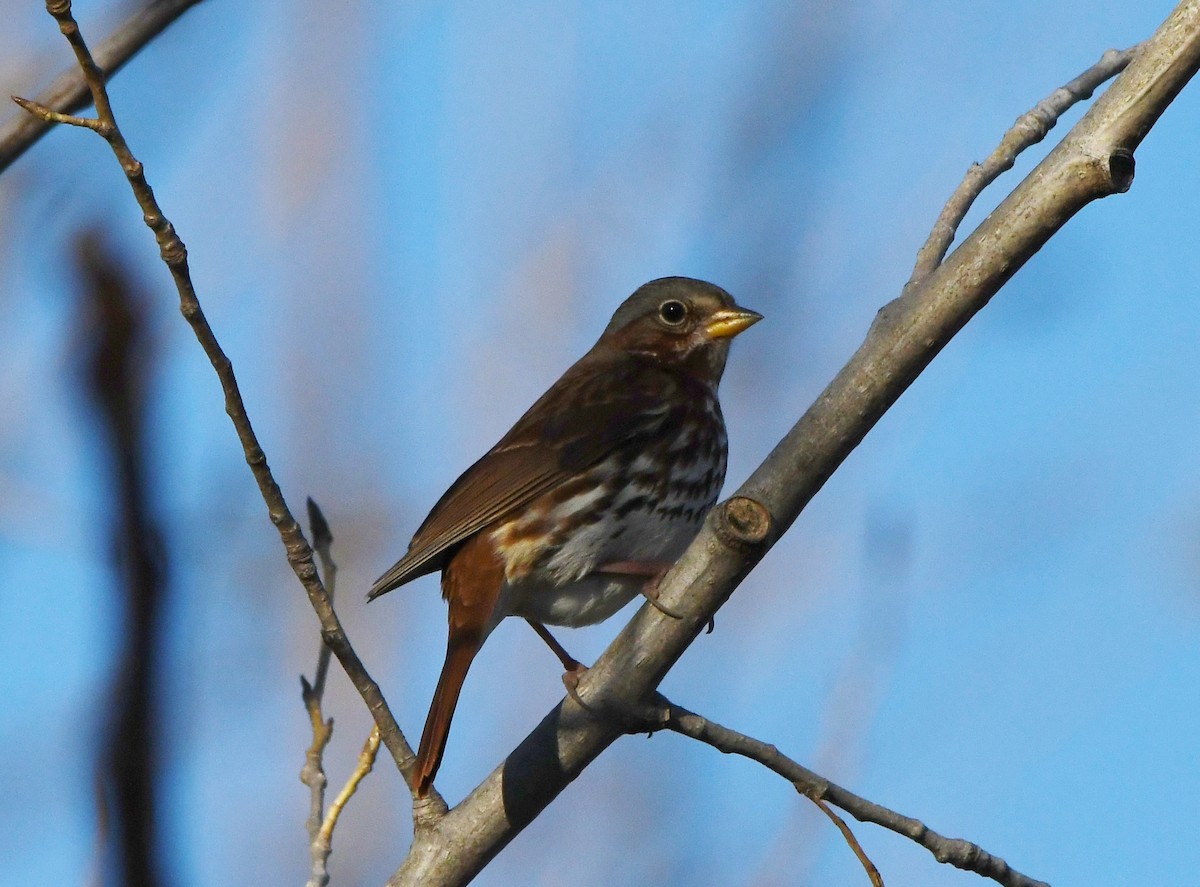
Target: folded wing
pixel 602 403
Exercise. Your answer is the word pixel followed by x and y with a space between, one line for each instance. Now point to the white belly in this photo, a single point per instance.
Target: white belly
pixel 586 601
pixel 649 520
pixel 572 590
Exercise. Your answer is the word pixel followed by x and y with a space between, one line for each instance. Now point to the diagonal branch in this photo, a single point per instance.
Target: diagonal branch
pixel 174 254
pixel 955 851
pixel 70 93
pixel 1094 160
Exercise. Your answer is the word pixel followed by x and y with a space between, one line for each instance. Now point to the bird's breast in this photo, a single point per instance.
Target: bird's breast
pixel 644 503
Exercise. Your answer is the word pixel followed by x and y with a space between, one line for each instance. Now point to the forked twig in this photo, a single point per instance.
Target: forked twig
pixel 955 851
pixel 70 92
pixel 1030 128
pixel 174 254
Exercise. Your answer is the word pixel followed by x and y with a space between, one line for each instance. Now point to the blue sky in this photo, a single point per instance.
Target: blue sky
pixel 405 222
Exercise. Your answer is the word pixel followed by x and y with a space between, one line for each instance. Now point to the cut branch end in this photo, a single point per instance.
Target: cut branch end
pixel 743 523
pixel 1121 167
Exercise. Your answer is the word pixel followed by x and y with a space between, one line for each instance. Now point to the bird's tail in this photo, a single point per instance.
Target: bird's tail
pixel 460 652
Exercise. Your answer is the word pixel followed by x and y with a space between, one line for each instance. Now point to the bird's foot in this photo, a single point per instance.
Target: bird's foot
pixel 570 679
pixel 646 718
pixel 650 592
pixel 654 572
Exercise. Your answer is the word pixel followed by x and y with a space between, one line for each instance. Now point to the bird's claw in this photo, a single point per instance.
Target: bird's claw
pixel 650 592
pixel 570 679
pixel 648 719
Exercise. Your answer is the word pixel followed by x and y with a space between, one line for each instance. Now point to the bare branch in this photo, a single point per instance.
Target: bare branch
pixel 959 853
pixel 70 92
pixel 868 866
pixel 312 774
pixel 366 760
pixel 321 823
pixel 1030 128
pixel 323 543
pixel 1094 160
pixel 174 254
pixel 48 115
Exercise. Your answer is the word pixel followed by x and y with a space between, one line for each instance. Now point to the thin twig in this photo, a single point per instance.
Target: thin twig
pixel 312 774
pixel 321 823
pixel 868 866
pixel 174 254
pixel 47 115
pixel 1030 128
pixel 366 760
pixel 323 544
pixel 955 851
pixel 69 93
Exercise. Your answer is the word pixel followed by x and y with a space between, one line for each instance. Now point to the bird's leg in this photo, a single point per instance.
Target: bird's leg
pixel 634 720
pixel 574 669
pixel 653 571
pixel 569 662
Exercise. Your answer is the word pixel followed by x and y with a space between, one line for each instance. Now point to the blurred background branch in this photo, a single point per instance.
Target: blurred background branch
pixel 119 365
pixel 174 254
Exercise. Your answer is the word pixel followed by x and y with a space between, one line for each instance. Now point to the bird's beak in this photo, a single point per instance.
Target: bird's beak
pixel 728 322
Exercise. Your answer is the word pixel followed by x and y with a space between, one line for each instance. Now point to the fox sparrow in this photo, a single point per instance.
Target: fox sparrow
pixel 594 493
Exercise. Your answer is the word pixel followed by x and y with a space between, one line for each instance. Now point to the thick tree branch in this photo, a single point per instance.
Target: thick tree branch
pixel 1094 160
pixel 69 93
pixel 174 254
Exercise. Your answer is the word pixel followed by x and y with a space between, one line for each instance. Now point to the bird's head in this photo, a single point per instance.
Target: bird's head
pixel 680 321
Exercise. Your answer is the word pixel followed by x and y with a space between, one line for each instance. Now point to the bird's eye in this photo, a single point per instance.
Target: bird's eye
pixel 672 312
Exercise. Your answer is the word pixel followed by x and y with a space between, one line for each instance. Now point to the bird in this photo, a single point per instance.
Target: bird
pixel 592 495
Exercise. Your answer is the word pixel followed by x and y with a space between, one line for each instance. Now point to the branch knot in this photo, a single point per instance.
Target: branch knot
pixel 742 523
